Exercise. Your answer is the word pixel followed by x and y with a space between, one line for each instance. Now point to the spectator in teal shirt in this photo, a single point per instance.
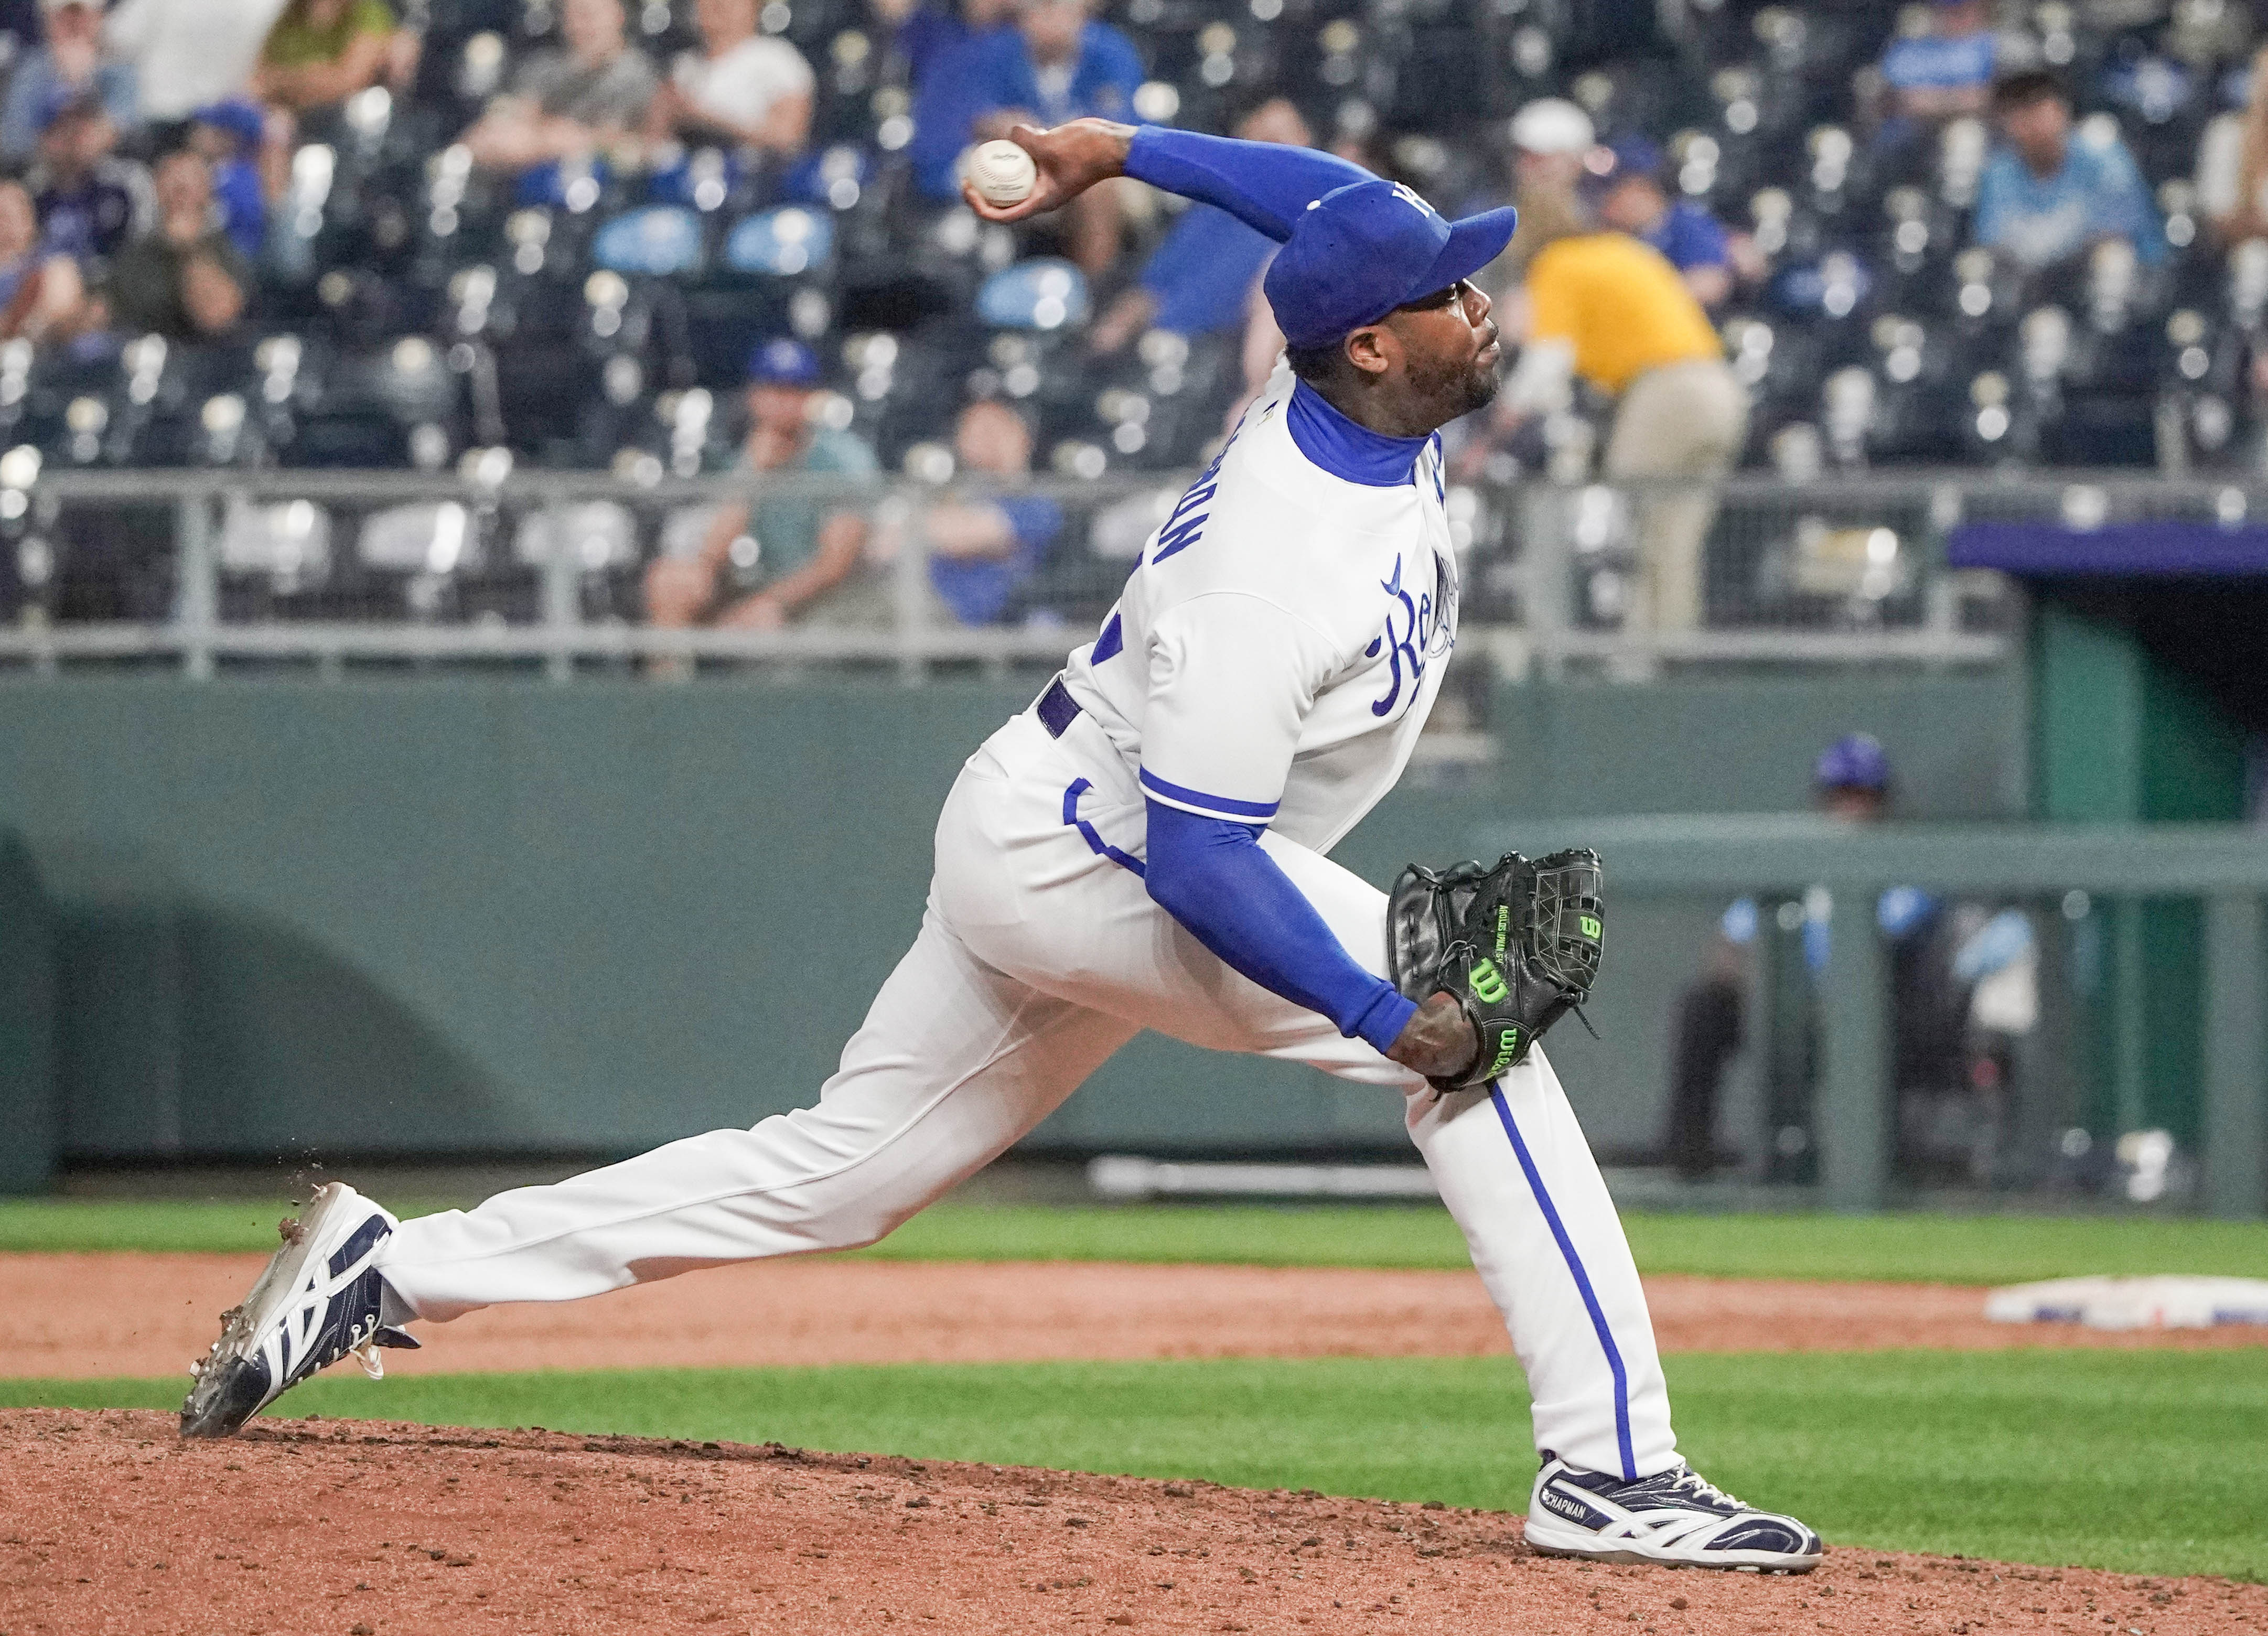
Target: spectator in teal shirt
pixel 801 554
pixel 2047 197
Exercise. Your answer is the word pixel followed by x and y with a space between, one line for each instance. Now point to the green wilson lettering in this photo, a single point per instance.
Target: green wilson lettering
pixel 1504 1057
pixel 1591 926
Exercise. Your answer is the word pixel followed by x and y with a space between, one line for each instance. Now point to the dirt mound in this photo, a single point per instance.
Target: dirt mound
pixel 73 1316
pixel 108 1522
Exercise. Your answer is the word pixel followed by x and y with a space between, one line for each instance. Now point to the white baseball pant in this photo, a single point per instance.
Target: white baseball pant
pixel 1040 954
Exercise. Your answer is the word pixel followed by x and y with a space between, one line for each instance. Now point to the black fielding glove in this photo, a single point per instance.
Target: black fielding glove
pixel 1516 946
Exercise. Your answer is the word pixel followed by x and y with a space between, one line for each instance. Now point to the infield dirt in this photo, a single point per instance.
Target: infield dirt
pixel 128 1315
pixel 108 1522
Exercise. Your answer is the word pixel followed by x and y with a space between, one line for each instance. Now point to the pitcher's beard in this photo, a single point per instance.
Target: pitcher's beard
pixel 1458 389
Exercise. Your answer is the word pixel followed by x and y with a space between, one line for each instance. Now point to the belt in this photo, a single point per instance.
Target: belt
pixel 1057 709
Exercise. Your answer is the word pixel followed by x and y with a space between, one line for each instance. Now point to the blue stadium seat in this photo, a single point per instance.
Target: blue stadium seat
pixel 654 241
pixel 1043 294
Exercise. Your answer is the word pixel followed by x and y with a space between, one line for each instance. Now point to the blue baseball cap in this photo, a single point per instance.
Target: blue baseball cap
pixel 241 119
pixel 782 362
pixel 64 101
pixel 1624 157
pixel 1856 760
pixel 1362 250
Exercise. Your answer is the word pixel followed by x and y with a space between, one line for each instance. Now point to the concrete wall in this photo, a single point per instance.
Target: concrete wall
pixel 423 916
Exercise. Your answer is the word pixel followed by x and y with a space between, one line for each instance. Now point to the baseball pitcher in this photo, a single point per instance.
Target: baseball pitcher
pixel 1148 846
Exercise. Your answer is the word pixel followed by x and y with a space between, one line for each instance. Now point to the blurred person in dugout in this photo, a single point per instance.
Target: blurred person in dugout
pixel 775 559
pixel 1613 311
pixel 1963 994
pixel 1939 71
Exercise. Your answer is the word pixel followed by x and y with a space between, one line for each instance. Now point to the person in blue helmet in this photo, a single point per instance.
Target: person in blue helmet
pixel 1851 782
pixel 1962 989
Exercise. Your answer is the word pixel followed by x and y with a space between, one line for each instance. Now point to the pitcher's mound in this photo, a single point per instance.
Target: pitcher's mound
pixel 109 1523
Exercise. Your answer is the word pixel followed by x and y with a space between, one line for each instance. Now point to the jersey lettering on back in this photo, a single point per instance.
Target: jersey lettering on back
pixel 1185 526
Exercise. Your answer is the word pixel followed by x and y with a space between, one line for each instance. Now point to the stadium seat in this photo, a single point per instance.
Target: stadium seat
pixel 1043 294
pixel 655 241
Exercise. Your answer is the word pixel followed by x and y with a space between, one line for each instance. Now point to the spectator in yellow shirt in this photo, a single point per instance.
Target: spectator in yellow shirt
pixel 321 52
pixel 1612 310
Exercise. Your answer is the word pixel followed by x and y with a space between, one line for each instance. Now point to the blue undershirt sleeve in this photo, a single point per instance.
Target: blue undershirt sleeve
pixel 1263 184
pixel 1213 877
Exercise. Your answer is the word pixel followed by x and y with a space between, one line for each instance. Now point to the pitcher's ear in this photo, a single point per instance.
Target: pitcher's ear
pixel 1372 349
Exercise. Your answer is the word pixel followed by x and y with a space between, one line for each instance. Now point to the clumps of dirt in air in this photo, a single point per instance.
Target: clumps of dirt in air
pixel 108 1522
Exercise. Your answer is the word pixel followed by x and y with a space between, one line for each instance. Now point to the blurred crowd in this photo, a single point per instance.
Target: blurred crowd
pixel 676 236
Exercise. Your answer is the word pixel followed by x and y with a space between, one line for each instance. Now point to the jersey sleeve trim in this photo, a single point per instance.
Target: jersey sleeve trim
pixel 1208 805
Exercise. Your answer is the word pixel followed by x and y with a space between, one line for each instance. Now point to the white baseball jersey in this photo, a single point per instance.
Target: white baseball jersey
pixel 1276 653
pixel 1271 662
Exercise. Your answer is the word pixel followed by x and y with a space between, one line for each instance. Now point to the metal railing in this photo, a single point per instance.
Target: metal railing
pixel 1847 569
pixel 2225 865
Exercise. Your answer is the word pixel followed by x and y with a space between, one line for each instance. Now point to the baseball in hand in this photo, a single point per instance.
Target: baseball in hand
pixel 1001 172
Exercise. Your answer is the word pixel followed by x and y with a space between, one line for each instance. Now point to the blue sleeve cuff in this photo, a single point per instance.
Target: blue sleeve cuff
pixel 1224 807
pixel 1382 1024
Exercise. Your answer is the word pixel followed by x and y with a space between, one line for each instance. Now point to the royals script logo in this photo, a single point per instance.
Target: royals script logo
pixel 1418 630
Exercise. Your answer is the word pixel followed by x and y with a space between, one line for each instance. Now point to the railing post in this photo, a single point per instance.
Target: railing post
pixel 896 512
pixel 2235 1058
pixel 197 605
pixel 562 597
pixel 1543 587
pixel 2130 1042
pixel 1854 1080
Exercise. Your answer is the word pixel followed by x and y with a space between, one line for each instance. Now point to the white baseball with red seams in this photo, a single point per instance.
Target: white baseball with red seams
pixel 1275 653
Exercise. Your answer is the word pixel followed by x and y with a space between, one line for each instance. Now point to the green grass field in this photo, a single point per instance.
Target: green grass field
pixel 1916 1249
pixel 2114 1460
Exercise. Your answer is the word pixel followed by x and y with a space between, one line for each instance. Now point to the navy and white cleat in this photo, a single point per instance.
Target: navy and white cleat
pixel 1674 1519
pixel 316 1301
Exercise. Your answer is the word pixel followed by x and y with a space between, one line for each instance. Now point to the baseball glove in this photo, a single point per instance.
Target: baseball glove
pixel 1517 945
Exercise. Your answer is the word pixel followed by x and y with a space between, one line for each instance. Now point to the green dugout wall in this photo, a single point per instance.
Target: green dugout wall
pixel 418 917
pixel 2124 736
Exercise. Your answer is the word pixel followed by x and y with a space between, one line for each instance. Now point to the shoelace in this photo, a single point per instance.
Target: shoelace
pixel 366 1355
pixel 1688 1481
pixel 362 1346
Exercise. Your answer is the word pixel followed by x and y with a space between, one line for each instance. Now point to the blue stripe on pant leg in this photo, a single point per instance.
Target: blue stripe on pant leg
pixel 1582 1282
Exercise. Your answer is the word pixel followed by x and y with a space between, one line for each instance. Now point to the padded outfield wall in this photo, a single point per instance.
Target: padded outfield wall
pixel 426 916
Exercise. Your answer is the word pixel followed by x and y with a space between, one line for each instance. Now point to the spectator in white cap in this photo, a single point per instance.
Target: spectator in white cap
pixel 1550 138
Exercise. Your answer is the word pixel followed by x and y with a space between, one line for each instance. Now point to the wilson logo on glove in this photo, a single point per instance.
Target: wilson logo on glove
pixel 1544 922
